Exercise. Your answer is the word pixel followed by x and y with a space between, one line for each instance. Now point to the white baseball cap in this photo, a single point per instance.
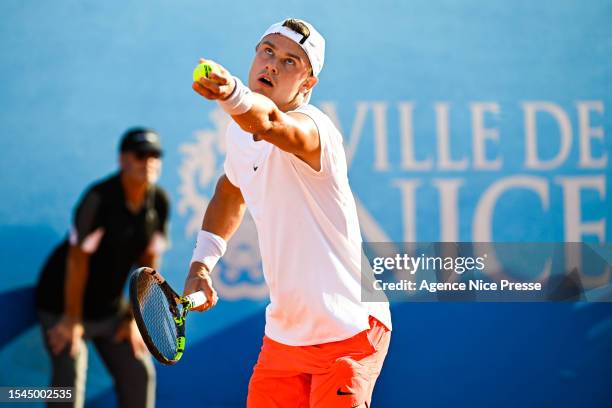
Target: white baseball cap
pixel 312 44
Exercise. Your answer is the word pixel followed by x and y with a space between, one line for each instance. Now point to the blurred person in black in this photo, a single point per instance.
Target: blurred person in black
pixel 120 222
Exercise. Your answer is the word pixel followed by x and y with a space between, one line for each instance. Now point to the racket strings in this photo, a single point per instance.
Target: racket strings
pixel 158 317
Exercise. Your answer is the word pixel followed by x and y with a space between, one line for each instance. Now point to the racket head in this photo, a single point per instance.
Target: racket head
pixel 157 311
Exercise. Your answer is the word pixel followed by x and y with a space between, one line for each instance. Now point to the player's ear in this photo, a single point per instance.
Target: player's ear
pixel 309 83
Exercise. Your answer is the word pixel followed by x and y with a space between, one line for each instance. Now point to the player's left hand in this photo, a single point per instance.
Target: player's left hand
pixel 128 330
pixel 219 85
pixel 199 279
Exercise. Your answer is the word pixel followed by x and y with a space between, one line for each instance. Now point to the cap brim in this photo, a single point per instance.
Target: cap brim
pixel 145 149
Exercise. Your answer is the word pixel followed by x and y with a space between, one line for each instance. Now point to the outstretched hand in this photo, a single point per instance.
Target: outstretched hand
pixel 219 85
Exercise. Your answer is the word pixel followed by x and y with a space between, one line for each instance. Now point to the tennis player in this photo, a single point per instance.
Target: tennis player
pixel 323 346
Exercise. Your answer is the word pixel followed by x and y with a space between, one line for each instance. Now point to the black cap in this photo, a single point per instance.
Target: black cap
pixel 140 139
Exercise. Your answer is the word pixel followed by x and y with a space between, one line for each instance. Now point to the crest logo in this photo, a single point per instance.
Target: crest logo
pixel 239 273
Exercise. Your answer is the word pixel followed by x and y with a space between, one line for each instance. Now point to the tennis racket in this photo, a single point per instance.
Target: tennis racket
pixel 160 313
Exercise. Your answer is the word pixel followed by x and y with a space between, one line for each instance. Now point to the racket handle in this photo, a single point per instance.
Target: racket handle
pixel 196 299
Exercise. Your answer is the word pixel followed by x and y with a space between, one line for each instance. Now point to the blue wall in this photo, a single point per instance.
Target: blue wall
pixel 472 120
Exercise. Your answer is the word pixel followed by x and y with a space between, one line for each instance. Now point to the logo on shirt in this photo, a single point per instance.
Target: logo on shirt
pixel 239 273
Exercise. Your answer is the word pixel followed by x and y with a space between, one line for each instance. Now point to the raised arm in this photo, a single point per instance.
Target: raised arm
pixel 222 218
pixel 292 132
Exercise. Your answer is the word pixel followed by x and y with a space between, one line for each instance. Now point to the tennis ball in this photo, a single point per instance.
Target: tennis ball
pixel 203 70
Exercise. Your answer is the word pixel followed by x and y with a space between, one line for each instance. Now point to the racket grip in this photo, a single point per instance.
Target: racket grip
pixel 196 299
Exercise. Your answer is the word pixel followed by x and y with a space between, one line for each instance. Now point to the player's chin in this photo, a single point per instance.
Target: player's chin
pixel 263 90
pixel 152 176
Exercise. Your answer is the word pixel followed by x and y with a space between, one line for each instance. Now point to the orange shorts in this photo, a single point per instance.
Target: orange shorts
pixel 337 374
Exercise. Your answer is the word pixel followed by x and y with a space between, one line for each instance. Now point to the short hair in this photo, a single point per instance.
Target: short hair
pixel 301 28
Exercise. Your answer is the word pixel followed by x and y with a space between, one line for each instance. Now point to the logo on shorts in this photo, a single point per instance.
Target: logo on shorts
pixel 340 392
pixel 239 273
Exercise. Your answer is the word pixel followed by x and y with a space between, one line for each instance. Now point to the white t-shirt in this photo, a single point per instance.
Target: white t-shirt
pixel 309 236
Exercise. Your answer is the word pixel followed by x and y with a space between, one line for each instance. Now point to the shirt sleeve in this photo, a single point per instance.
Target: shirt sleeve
pixel 227 168
pixel 327 147
pixel 227 164
pixel 87 230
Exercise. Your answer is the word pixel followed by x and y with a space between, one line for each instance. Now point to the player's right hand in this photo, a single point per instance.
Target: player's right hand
pixel 199 279
pixel 219 85
pixel 67 332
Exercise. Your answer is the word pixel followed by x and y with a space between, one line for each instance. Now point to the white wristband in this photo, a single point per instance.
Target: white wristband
pixel 239 102
pixel 209 249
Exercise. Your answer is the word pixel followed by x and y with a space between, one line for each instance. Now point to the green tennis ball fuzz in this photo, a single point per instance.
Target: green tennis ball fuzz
pixel 203 70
